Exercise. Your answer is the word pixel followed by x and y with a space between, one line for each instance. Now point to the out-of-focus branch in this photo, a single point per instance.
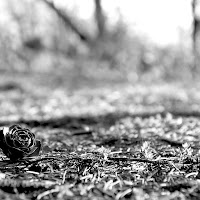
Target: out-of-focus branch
pixel 68 21
pixel 196 36
pixel 100 18
pixel 195 23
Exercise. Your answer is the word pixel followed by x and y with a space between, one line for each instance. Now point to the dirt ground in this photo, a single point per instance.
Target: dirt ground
pixel 102 140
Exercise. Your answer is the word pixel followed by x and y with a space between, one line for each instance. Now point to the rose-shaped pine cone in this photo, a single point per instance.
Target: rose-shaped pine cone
pixel 17 142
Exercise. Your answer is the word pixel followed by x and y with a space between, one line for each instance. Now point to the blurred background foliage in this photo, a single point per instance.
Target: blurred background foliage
pixel 50 37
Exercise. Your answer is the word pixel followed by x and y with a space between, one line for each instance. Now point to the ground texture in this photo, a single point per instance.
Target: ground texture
pixel 111 141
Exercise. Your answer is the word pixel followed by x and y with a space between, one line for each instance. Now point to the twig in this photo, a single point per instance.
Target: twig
pixel 164 160
pixel 132 159
pixel 82 132
pixel 42 159
pixel 171 142
pixel 40 196
pixel 64 176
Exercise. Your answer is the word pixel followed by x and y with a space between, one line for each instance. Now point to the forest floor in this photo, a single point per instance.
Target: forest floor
pixel 102 140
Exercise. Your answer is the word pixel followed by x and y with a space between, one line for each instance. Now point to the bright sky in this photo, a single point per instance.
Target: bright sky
pixel 160 20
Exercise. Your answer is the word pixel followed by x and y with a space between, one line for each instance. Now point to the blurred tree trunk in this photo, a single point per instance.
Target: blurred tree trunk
pixel 69 22
pixel 196 36
pixel 100 19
